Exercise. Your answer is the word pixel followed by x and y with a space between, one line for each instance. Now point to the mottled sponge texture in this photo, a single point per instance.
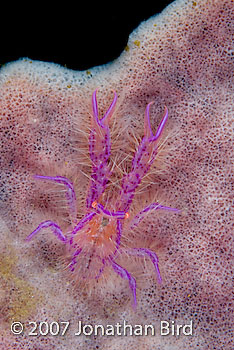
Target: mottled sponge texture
pixel 184 59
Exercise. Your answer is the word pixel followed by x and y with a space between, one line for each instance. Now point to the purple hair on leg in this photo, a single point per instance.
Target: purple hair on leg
pixel 104 120
pixel 148 131
pixel 127 276
pixel 99 150
pixel 83 222
pixel 144 252
pixel 101 269
pixel 152 207
pixel 70 192
pixel 73 262
pixel 143 158
pixel 55 229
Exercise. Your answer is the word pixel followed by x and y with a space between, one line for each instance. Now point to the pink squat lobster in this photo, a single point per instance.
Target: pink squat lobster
pixel 95 240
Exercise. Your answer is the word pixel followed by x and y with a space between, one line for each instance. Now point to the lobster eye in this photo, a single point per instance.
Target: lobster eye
pixel 94 205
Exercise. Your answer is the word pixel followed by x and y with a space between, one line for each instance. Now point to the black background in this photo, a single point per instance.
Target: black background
pixel 79 38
